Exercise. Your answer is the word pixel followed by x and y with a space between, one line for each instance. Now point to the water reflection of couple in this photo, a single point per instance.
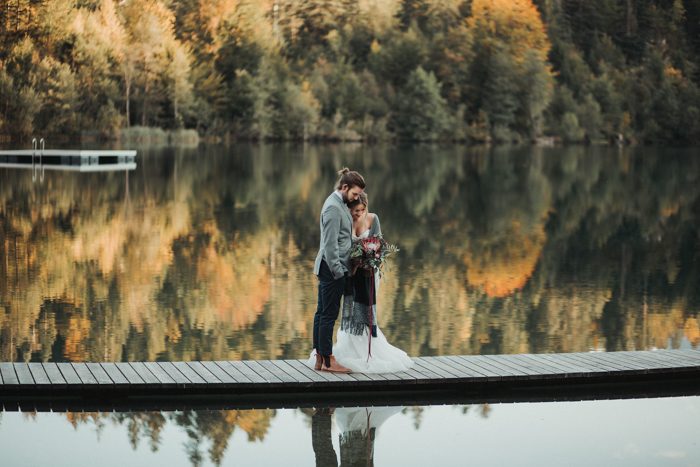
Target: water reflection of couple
pixel 357 429
pixel 361 345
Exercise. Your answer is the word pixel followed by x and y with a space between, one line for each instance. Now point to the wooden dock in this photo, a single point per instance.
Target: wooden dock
pixel 290 383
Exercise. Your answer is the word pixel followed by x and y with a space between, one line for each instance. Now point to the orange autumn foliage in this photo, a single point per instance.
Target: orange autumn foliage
pixel 691 330
pixel 238 283
pixel 505 267
pixel 515 23
pixel 255 423
pixel 76 339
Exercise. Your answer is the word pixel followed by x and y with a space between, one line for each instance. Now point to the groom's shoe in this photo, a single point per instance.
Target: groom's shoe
pixel 334 367
pixel 319 362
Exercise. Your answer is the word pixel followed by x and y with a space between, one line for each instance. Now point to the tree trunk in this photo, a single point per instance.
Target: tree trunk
pixel 127 90
pixel 145 98
pixel 128 99
pixel 175 107
pixel 630 18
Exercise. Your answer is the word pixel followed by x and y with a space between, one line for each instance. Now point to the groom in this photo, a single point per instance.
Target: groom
pixel 333 265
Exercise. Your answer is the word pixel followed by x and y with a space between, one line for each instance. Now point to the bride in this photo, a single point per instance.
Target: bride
pixel 361 346
pixel 357 429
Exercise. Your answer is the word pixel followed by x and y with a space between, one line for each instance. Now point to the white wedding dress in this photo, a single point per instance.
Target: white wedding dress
pixel 362 419
pixel 352 350
pixel 358 428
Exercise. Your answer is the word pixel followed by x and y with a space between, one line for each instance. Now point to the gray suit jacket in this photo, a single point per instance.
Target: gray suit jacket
pixel 336 237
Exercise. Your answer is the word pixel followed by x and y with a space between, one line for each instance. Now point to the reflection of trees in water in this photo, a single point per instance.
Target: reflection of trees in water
pixel 161 275
pixel 584 203
pixel 208 429
pixel 503 250
pixel 635 242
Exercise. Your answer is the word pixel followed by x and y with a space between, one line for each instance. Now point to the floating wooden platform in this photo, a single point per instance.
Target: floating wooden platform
pixel 290 383
pixel 77 160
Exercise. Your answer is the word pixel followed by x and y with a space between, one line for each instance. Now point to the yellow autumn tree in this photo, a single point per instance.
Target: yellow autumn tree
pixel 515 24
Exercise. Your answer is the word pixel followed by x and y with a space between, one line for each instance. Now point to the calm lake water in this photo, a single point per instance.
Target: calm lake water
pixel 645 432
pixel 207 253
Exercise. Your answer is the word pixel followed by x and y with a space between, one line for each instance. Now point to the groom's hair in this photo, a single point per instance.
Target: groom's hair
pixel 350 178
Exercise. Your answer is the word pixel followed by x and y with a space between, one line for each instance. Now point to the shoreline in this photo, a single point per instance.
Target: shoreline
pixel 154 136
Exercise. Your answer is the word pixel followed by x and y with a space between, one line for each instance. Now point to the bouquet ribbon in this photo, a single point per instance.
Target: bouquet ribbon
pixel 370 314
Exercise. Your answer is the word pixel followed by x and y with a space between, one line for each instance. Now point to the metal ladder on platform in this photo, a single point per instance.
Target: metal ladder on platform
pixel 42 143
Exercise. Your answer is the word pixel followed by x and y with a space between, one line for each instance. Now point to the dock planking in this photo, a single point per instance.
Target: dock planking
pixel 235 373
pixel 69 373
pixel 203 372
pixel 144 373
pixel 257 368
pixel 262 381
pixel 84 373
pixel 99 374
pixel 38 373
pixel 165 370
pixel 54 374
pixel 187 372
pixel 241 368
pixel 129 373
pixel 23 374
pixel 278 372
pixel 114 374
pixel 316 376
pixel 9 377
pixel 485 372
pixel 300 376
pixel 218 372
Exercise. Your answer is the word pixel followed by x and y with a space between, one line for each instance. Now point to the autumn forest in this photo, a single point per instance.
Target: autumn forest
pixel 353 70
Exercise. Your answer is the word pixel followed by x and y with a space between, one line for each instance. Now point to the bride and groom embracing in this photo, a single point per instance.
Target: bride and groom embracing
pixel 361 345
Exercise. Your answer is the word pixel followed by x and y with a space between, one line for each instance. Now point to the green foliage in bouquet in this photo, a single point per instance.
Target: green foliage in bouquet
pixel 371 253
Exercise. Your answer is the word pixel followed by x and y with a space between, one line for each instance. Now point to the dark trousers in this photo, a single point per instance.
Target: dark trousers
pixel 321 439
pixel 329 293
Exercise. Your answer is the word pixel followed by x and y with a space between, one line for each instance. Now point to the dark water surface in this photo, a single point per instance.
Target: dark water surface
pixel 207 253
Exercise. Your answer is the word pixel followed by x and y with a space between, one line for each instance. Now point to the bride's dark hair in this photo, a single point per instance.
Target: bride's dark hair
pixel 350 178
pixel 360 199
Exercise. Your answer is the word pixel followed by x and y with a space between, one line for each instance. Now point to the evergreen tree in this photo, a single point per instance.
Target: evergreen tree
pixel 420 112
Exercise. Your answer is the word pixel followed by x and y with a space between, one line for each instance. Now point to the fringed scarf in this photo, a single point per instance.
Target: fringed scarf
pixel 357 446
pixel 360 308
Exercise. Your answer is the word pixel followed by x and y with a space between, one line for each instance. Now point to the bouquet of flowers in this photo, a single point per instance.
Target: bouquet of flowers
pixel 371 252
